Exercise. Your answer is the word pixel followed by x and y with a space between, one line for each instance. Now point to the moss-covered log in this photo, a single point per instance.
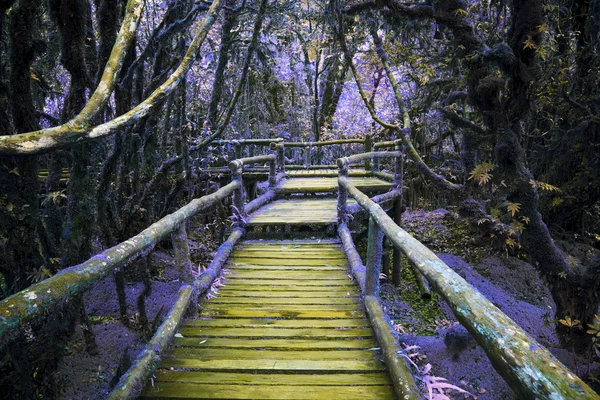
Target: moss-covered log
pixel 131 383
pixel 358 158
pixel 402 379
pixel 259 142
pixel 358 269
pixel 323 143
pixel 530 369
pixel 42 297
pixel 259 201
pixel 203 282
pixel 70 133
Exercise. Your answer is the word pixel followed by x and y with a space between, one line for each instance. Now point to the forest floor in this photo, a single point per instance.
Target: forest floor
pixel 427 329
pixel 430 332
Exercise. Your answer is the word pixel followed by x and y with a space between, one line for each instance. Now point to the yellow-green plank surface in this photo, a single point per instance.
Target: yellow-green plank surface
pixel 286 324
pixel 297 212
pixel 330 184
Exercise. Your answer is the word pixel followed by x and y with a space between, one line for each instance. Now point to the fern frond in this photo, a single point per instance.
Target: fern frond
pixel 481 173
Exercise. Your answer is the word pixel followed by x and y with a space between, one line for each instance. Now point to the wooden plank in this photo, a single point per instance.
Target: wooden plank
pixel 228 312
pixel 164 390
pixel 289 261
pixel 278 323
pixel 264 332
pixel 307 366
pixel 282 344
pixel 275 301
pixel 266 292
pixel 289 275
pixel 243 354
pixel 372 379
pixel 303 254
pixel 322 283
pixel 277 269
pixel 255 288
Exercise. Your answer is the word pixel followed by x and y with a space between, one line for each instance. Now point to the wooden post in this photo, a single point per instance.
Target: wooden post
pixel 251 150
pixel 179 240
pixel 238 150
pixel 272 174
pixel 399 168
pixel 398 184
pixel 397 254
pixel 280 147
pixel 374 253
pixel 368 149
pixel 385 263
pixel 237 168
pixel 342 203
pixel 307 159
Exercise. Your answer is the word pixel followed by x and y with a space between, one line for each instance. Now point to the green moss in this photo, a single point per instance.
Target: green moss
pixel 422 316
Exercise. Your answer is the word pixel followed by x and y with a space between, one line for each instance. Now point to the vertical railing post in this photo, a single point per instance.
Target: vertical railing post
pixel 273 173
pixel 181 250
pixel 307 160
pixel 368 149
pixel 374 254
pixel 238 149
pixel 251 148
pixel 397 212
pixel 280 149
pixel 342 203
pixel 237 169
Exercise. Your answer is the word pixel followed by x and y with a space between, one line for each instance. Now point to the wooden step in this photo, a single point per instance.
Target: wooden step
pixel 165 390
pixel 251 301
pixel 268 332
pixel 359 379
pixel 240 354
pixel 284 344
pixel 278 323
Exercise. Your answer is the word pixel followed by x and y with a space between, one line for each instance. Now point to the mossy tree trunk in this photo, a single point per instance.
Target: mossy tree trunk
pixel 21 251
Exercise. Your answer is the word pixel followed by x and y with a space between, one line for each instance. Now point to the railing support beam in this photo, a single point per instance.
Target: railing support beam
pixel 374 254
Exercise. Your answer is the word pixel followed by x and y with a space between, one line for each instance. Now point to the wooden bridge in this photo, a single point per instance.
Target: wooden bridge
pixel 296 318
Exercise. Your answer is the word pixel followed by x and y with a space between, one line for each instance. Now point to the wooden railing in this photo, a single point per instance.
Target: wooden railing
pixel 530 369
pixel 46 296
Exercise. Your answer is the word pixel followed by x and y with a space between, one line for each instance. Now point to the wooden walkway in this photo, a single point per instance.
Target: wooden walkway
pixel 296 212
pixel 288 323
pixel 330 185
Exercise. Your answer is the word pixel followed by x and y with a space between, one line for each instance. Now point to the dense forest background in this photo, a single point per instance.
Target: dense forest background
pixel 497 104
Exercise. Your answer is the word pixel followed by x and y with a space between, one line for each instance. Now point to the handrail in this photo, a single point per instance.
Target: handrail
pixel 530 369
pixel 323 143
pixel 260 142
pixel 43 296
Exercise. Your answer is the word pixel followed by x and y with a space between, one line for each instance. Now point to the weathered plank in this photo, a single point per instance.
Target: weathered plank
pixel 208 391
pixel 279 323
pixel 299 275
pixel 251 301
pixel 303 333
pixel 241 354
pixel 359 379
pixel 266 292
pixel 323 283
pixel 308 366
pixel 282 344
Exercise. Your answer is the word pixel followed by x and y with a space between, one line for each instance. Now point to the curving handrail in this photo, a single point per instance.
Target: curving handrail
pixel 41 297
pixel 529 368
